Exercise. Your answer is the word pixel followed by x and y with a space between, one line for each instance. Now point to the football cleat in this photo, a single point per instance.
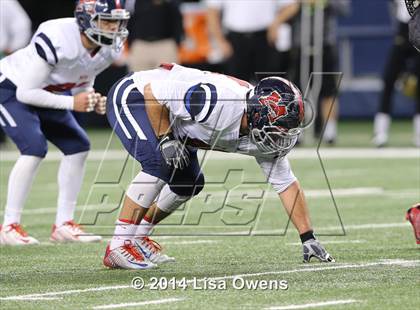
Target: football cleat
pixel 413 216
pixel 72 232
pixel 126 257
pixel 380 140
pixel 152 250
pixel 312 248
pixel 14 234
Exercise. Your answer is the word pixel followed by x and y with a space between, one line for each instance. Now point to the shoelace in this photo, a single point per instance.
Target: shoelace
pixel 152 244
pixel 19 229
pixel 130 249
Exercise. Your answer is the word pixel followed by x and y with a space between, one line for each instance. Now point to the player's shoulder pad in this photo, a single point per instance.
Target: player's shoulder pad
pixel 57 39
pixel 200 100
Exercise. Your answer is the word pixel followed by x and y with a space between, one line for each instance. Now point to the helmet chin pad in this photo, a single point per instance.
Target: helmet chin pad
pixel 274 140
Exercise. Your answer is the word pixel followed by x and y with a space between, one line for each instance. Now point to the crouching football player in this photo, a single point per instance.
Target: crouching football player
pixel 39 87
pixel 162 116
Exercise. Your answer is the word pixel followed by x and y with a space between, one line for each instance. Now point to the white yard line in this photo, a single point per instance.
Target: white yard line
pixel 314 305
pixel 185 242
pixel 346 227
pixel 331 242
pixel 53 210
pixel 239 192
pixel 390 262
pixel 300 153
pixel 367 226
pixel 317 229
pixel 137 304
pixel 38 298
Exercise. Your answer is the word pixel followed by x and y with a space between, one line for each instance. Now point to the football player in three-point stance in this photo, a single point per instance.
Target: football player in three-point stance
pixel 162 116
pixel 39 87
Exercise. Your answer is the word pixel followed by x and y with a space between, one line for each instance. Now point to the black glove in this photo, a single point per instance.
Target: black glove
pixel 312 248
pixel 174 152
pixel 414 29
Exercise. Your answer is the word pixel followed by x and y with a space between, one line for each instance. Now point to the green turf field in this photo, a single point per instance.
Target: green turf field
pixel 236 226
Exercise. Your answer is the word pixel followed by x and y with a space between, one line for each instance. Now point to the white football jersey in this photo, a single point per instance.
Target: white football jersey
pixel 216 123
pixel 59 43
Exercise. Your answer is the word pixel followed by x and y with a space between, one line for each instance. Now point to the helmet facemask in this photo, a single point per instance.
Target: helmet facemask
pixel 274 140
pixel 101 37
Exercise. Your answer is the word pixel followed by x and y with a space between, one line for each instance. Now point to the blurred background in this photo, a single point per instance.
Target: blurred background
pixel 371 70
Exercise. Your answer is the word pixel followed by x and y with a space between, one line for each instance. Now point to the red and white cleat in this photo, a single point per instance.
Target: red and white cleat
pixel 413 216
pixel 126 257
pixel 152 250
pixel 72 232
pixel 14 234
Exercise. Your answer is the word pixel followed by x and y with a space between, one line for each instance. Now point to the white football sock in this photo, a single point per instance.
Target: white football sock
pixel 330 130
pixel 70 178
pixel 381 128
pixel 123 231
pixel 144 228
pixel 20 182
pixel 416 129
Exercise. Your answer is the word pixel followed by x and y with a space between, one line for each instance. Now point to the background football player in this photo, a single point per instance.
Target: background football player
pixel 162 116
pixel 40 85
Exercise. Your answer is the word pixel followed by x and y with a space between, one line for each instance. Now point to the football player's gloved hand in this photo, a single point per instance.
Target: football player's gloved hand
pixel 100 106
pixel 92 100
pixel 174 152
pixel 84 102
pixel 312 248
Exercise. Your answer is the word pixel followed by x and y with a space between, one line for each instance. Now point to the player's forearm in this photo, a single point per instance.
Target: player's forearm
pixel 294 202
pixel 29 87
pixel 157 113
pixel 44 99
pixel 286 13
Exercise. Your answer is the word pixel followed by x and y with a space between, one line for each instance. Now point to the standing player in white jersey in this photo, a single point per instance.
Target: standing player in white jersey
pixel 39 87
pixel 162 116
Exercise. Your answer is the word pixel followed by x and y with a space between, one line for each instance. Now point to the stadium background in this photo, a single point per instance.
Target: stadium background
pixel 374 246
pixel 363 45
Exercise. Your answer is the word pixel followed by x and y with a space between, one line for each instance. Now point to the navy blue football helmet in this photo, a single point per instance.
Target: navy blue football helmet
pixel 275 112
pixel 90 13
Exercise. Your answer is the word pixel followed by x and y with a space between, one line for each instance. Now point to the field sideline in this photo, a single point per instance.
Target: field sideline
pixel 235 228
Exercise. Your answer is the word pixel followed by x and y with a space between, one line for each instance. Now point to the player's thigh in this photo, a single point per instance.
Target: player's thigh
pixel 21 124
pixel 188 181
pixel 128 118
pixel 61 128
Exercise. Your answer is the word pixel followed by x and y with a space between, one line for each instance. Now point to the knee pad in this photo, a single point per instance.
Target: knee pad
pixel 144 189
pixel 188 188
pixel 168 201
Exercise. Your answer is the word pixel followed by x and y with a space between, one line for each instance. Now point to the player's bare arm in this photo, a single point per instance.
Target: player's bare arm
pixel 173 151
pixel 158 114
